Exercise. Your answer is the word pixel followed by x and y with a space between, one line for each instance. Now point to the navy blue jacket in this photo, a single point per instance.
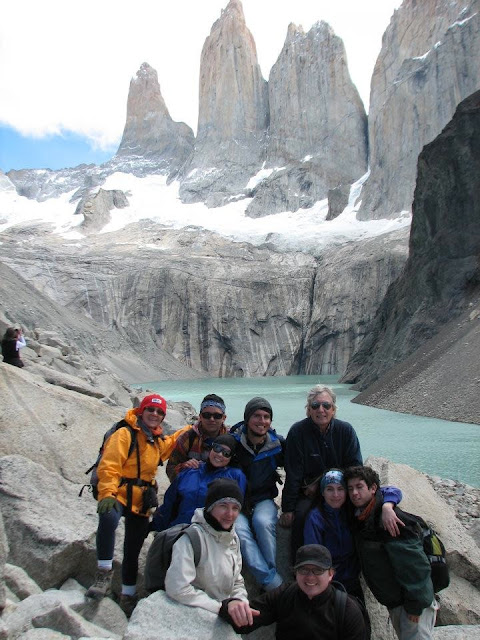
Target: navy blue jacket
pixel 188 492
pixel 260 467
pixel 309 454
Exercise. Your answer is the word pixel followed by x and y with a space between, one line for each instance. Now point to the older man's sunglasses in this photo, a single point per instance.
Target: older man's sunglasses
pixel 326 405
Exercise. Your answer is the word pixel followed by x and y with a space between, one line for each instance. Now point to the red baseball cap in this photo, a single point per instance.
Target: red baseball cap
pixel 153 400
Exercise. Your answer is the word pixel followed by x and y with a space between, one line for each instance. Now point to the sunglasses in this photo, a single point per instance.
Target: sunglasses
pixel 155 410
pixel 219 449
pixel 304 571
pixel 208 416
pixel 326 405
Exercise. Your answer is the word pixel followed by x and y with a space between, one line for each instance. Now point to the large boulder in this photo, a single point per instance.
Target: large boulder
pixel 159 614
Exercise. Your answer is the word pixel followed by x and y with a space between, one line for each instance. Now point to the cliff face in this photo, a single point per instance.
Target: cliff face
pixel 427 65
pixel 318 123
pixel 233 113
pixel 442 275
pixel 223 308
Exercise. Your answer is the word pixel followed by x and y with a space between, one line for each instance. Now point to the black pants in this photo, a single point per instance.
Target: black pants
pixel 302 508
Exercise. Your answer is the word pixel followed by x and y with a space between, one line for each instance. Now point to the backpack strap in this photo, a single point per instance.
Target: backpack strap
pixel 192 533
pixel 340 605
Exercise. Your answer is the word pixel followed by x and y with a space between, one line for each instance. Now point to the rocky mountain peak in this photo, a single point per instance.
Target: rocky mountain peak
pixel 317 123
pixel 149 130
pixel 233 112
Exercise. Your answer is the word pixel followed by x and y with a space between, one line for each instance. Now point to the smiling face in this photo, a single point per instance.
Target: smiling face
pixel 321 415
pixel 313 585
pixel 153 418
pixel 360 494
pixel 335 495
pixel 217 459
pixel 211 419
pixel 259 423
pixel 225 513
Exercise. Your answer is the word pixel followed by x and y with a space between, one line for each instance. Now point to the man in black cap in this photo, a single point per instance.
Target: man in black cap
pixel 307 608
pixel 259 453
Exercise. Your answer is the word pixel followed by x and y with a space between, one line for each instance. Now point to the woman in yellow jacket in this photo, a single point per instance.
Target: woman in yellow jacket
pixel 127 487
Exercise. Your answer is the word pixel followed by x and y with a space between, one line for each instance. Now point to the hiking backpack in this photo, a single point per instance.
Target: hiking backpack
pixel 434 550
pixel 92 486
pixel 341 597
pixel 159 555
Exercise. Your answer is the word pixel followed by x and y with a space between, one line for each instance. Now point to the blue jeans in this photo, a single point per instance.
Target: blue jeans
pixel 136 530
pixel 258 542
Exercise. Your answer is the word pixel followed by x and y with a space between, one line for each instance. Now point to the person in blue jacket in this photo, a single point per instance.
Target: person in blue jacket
pixel 329 524
pixel 189 489
pixel 259 452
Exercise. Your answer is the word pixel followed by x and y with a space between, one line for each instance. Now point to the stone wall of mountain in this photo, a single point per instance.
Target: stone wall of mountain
pixel 427 65
pixel 441 278
pixel 199 300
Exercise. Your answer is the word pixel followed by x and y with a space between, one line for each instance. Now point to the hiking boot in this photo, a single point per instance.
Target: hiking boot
pixel 101 585
pixel 128 604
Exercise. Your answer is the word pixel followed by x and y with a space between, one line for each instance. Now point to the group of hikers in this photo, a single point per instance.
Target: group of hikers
pixel 225 482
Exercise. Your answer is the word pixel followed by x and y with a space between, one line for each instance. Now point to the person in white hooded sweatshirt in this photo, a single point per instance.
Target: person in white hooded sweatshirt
pixel 217 578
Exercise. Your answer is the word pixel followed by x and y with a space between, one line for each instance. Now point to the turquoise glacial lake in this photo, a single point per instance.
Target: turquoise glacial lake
pixel 437 447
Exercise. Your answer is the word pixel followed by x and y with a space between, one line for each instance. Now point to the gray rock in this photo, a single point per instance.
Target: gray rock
pixel 4 550
pixel 149 130
pixel 19 582
pixel 175 620
pixel 437 286
pixel 43 634
pixel 233 113
pixel 427 65
pixel 47 537
pixel 96 208
pixel 317 124
pixel 464 632
pixel 337 200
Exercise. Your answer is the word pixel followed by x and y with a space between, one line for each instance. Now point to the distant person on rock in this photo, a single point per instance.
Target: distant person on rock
pixel 127 487
pixel 306 609
pixel 314 445
pixel 12 342
pixel 194 445
pixel 396 569
pixel 260 451
pixel 189 489
pixel 217 578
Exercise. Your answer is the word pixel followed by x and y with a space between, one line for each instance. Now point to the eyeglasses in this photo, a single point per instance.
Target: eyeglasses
pixel 155 410
pixel 305 571
pixel 208 416
pixel 326 405
pixel 219 449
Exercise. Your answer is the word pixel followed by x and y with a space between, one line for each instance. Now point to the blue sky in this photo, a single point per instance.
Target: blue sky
pixel 64 82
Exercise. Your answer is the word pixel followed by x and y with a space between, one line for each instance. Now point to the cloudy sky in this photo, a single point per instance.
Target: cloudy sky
pixel 65 67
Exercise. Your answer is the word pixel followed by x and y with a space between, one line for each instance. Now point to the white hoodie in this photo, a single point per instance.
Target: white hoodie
pixel 218 574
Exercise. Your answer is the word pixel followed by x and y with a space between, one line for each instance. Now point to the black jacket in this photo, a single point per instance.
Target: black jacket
pixel 309 454
pixel 259 466
pixel 299 618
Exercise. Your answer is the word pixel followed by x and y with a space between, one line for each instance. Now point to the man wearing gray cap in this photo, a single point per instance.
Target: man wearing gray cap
pixel 307 609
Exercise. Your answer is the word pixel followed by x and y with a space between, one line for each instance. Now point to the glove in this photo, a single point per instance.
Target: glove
pixel 106 505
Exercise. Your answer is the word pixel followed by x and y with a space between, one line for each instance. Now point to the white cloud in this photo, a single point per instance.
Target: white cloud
pixel 68 65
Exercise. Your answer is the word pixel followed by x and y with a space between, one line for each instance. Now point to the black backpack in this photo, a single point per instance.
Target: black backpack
pixel 92 486
pixel 159 555
pixel 341 597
